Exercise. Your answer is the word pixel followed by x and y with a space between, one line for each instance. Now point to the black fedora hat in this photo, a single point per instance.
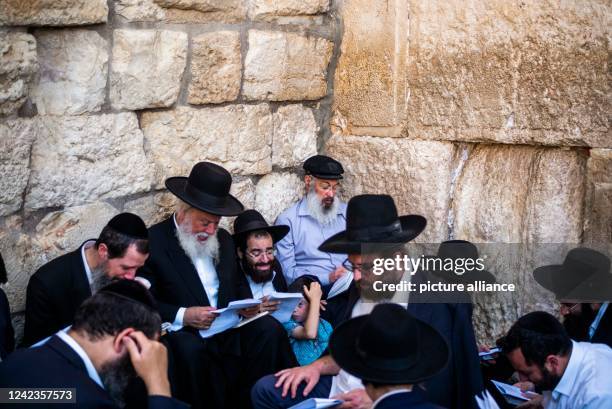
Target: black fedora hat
pixel 389 347
pixel 584 276
pixel 373 219
pixel 251 220
pixel 460 249
pixel 207 189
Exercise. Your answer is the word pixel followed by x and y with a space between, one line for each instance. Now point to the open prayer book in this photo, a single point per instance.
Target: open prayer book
pixel 341 285
pixel 511 393
pixel 316 403
pixel 228 317
pixel 288 302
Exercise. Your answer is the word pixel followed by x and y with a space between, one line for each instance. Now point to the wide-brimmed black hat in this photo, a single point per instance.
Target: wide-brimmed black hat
pixel 251 220
pixel 372 219
pixel 455 250
pixel 389 347
pixel 207 189
pixel 323 167
pixel 584 276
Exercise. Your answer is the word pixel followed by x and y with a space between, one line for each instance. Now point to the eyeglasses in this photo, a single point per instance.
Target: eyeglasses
pixel 352 267
pixel 205 223
pixel 326 187
pixel 258 253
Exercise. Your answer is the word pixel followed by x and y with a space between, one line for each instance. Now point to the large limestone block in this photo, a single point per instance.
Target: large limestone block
pixel 18 64
pixel 78 159
pixel 147 68
pixel 510 72
pixel 65 230
pixel 139 10
pixel 53 12
pixel 74 66
pixel 243 190
pixel 276 192
pixel 370 85
pixel 285 66
pixel 598 213
pixel 238 137
pixel 295 136
pixel 417 174
pixel 202 11
pixel 264 9
pixel 215 67
pixel 16 138
pixel 152 208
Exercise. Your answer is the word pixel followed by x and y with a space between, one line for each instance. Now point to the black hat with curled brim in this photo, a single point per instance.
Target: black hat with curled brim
pixel 250 221
pixel 389 347
pixel 459 249
pixel 373 219
pixel 584 276
pixel 207 189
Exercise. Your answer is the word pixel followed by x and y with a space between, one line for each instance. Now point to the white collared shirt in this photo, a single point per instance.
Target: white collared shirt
pixel 85 246
pixel 260 290
pixel 587 380
pixel 91 370
pixel 386 395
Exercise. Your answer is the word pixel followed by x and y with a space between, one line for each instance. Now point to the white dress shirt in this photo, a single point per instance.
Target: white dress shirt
pixel 85 246
pixel 91 370
pixel 260 290
pixel 587 380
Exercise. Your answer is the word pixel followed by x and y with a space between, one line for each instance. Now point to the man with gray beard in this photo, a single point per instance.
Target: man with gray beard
pixel 193 272
pixel 312 220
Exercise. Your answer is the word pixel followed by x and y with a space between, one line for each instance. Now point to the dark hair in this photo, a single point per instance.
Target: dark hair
pixel 298 285
pixel 242 241
pixel 108 312
pixel 538 335
pixel 3 275
pixel 118 243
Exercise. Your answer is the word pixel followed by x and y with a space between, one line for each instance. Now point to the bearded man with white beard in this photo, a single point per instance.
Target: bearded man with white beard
pixel 193 272
pixel 312 220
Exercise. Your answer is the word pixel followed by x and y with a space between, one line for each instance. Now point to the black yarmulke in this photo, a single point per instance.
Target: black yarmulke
pixel 130 290
pixel 323 167
pixel 130 225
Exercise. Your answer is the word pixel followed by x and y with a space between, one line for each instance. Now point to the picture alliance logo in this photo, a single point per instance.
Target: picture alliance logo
pixel 458 266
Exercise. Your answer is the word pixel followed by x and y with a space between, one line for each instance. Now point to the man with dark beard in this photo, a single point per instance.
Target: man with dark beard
pixel 261 273
pixel 112 340
pixel 570 374
pixel 56 289
pixel 312 220
pixel 193 272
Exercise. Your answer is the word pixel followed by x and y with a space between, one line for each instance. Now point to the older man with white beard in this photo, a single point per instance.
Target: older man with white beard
pixel 193 272
pixel 312 220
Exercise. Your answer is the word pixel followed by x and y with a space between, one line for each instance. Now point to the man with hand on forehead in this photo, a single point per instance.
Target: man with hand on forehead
pixel 312 220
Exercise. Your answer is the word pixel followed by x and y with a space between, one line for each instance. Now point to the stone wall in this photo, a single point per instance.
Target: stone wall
pixel 492 118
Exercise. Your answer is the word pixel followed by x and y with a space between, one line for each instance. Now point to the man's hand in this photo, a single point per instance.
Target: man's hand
pixel 249 312
pixel 150 360
pixel 267 305
pixel 290 379
pixel 525 386
pixel 487 362
pixel 355 399
pixel 336 274
pixel 199 317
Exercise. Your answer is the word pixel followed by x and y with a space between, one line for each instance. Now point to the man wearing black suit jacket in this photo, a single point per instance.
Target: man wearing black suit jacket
pixel 111 341
pixel 193 272
pixel 56 289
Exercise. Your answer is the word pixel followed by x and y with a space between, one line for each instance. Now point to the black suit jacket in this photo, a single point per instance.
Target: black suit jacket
pixel 54 293
pixel 603 333
pixel 407 400
pixel 56 365
pixel 457 384
pixel 244 289
pixel 174 279
pixel 7 335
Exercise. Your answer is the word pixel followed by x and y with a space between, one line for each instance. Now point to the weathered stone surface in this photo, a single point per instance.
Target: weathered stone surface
pixel 277 191
pixel 295 136
pixel 78 159
pixel 73 70
pixel 598 206
pixel 417 174
pixel 201 11
pixel 285 66
pixel 510 72
pixel 215 67
pixel 18 64
pixel 152 208
pixel 244 191
pixel 65 230
pixel 16 138
pixel 238 137
pixel 53 12
pixel 370 86
pixel 265 9
pixel 147 68
pixel 139 10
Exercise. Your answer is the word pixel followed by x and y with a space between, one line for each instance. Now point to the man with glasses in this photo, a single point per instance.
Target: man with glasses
pixel 193 272
pixel 312 220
